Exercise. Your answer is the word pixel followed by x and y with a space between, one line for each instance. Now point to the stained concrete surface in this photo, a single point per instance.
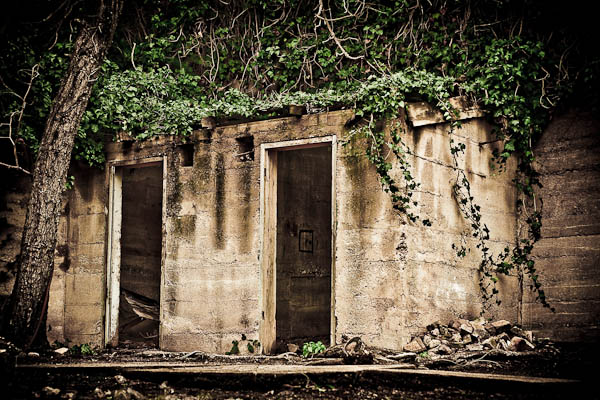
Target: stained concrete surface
pixel 392 278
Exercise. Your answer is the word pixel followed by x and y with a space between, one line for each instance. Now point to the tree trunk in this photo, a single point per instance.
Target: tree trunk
pixel 28 301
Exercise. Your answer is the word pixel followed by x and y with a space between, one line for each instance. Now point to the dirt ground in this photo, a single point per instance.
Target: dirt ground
pixel 567 361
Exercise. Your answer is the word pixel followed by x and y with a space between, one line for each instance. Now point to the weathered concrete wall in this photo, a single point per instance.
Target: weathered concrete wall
pixel 391 277
pixel 213 234
pixel 84 271
pixel 568 254
pixel 76 302
pixel 13 207
pixel 395 277
pixel 303 269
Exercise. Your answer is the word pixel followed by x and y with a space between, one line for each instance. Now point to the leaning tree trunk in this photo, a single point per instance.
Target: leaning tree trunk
pixel 28 300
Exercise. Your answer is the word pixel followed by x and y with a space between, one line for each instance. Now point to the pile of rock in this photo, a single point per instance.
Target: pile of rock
pixel 476 335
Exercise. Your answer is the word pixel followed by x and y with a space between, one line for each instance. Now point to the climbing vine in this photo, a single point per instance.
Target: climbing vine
pixel 174 63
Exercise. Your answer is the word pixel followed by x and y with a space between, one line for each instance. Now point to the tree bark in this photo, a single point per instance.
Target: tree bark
pixel 28 301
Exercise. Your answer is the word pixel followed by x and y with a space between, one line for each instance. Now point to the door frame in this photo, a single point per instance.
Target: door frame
pixel 113 243
pixel 268 233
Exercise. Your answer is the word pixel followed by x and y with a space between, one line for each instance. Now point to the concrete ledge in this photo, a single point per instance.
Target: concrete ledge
pixel 421 113
pixel 199 368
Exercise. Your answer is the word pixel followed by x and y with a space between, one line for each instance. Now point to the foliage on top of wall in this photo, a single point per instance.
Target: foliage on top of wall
pixel 175 62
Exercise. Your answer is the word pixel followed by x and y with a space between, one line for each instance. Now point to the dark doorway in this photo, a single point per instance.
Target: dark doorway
pixel 303 257
pixel 141 249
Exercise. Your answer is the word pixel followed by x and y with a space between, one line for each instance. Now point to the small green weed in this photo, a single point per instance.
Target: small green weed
pixel 84 349
pixel 234 348
pixel 311 349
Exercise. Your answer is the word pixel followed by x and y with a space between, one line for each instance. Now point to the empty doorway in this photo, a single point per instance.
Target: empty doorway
pixel 297 244
pixel 135 255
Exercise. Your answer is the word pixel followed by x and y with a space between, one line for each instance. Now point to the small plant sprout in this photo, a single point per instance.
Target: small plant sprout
pixel 311 349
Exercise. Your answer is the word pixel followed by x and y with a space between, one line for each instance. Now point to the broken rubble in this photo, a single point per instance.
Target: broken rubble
pixel 501 325
pixel 61 351
pixel 490 343
pixel 529 336
pixel 477 335
pixel 443 349
pixel 454 325
pixel 50 391
pixel 134 394
pixel 466 328
pixel 474 347
pixel 415 346
pixel 519 344
pixel 480 334
pixel 426 340
pixel 456 338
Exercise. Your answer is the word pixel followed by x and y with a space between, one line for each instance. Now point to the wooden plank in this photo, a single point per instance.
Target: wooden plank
pixel 114 256
pixel 139 163
pixel 293 144
pixel 333 319
pixel 163 254
pixel 269 249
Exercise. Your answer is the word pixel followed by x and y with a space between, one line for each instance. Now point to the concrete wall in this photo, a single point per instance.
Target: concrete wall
pixel 568 255
pixel 395 277
pixel 77 291
pixel 213 234
pixel 391 277
pixel 303 268
pixel 75 308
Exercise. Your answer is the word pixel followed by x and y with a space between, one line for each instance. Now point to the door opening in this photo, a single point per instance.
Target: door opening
pixel 136 255
pixel 297 245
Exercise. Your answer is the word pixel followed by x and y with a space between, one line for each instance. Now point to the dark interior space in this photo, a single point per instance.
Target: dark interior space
pixel 141 247
pixel 303 260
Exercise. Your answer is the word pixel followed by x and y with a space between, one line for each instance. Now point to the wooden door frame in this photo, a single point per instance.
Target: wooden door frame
pixel 113 243
pixel 268 230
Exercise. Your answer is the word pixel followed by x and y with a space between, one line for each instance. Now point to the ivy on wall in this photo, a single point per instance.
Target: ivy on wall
pixel 175 62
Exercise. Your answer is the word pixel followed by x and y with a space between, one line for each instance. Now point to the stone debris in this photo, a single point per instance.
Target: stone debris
pixel 62 350
pixel 415 346
pixel 520 344
pixel 50 391
pixel 477 335
pixel 501 326
pixel 134 394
